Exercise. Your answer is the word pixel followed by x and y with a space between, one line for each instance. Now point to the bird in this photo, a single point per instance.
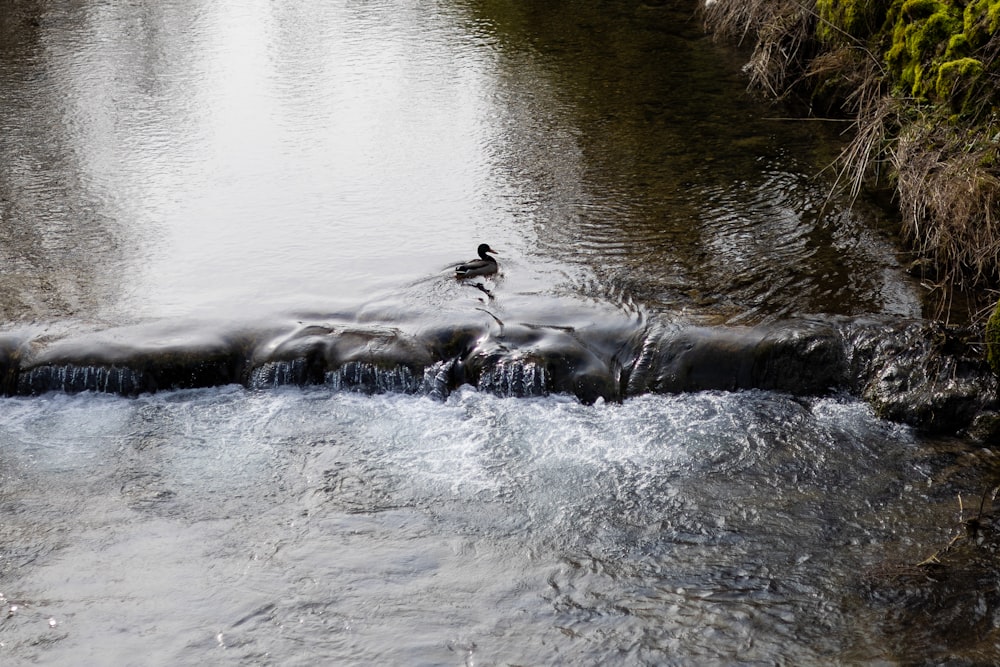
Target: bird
pixel 484 266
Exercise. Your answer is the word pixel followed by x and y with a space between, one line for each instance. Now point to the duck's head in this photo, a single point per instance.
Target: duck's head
pixel 485 248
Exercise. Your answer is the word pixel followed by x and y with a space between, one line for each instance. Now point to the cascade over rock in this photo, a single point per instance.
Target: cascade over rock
pixel 910 371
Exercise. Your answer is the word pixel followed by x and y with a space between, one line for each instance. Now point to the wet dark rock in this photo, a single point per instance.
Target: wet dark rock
pixel 10 359
pixel 531 360
pixel 920 374
pixel 910 371
pixel 350 356
pixel 801 358
pixel 131 361
pixel 985 428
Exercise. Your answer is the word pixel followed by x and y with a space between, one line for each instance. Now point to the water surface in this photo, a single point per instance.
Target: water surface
pixel 289 526
pixel 169 158
pixel 215 162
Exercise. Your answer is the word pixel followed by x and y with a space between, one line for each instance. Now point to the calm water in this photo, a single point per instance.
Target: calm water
pixel 241 160
pixel 168 158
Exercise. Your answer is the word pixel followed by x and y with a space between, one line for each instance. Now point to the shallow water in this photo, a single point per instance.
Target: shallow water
pixel 195 167
pixel 287 526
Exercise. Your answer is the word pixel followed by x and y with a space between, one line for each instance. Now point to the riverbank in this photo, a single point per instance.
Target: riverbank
pixel 918 80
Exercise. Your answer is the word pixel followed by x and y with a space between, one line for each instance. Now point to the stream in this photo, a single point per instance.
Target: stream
pixel 249 416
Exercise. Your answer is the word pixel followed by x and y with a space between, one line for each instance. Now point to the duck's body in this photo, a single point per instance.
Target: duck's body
pixel 484 266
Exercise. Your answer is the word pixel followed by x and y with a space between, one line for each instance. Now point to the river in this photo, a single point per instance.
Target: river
pixel 177 173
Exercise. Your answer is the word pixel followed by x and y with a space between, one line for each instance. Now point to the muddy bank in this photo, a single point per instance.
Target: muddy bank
pixel 912 372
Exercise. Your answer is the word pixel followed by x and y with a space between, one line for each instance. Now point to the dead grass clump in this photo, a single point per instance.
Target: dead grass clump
pixel 946 171
pixel 949 192
pixel 876 116
pixel 782 30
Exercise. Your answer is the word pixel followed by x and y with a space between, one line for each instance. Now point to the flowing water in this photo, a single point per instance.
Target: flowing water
pixel 212 164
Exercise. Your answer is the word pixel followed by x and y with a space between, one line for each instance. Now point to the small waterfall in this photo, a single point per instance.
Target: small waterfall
pixel 370 378
pixel 438 379
pixel 514 378
pixel 361 376
pixel 275 374
pixel 70 378
pixel 910 371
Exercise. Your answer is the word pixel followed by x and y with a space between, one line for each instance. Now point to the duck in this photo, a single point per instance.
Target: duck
pixel 484 266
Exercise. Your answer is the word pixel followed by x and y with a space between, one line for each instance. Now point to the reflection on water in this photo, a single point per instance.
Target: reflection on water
pixel 678 187
pixel 164 158
pixel 237 154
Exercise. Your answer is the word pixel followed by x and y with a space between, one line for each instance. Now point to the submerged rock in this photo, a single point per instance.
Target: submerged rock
pixel 946 605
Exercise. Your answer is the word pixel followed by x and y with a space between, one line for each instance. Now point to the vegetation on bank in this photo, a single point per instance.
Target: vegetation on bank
pixel 921 81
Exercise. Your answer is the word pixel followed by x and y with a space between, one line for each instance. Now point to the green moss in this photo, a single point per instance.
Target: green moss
pixel 955 69
pixel 955 81
pixel 980 20
pixel 993 340
pixel 936 31
pixel 914 10
pixel 925 33
pixel 853 18
pixel 958 47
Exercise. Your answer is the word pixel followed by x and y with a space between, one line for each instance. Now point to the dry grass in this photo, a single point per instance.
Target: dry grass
pixel 949 193
pixel 947 178
pixel 876 115
pixel 782 30
pixel 947 189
